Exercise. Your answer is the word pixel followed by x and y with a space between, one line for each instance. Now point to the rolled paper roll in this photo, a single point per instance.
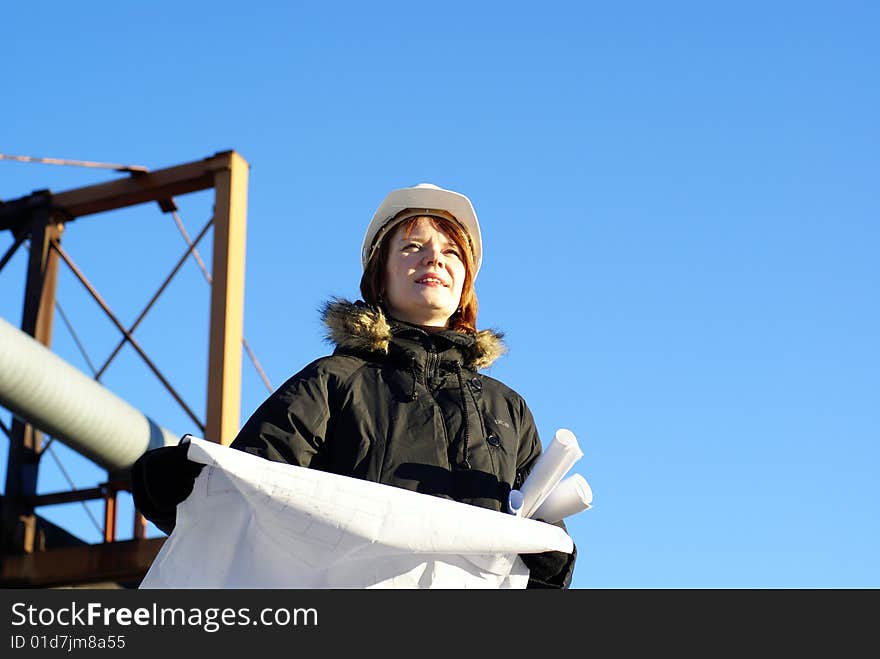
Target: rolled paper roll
pixel 571 496
pixel 515 503
pixel 550 468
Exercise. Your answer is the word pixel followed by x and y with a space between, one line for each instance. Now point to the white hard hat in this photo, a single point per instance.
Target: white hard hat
pixel 427 197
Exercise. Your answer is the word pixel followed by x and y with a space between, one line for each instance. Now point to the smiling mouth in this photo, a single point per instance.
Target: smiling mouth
pixel 432 281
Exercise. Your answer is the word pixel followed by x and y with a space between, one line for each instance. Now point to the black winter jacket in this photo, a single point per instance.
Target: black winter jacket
pixel 397 405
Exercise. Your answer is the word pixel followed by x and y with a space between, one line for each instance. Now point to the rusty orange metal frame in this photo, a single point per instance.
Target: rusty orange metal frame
pixel 25 563
pixel 227 173
pixel 121 562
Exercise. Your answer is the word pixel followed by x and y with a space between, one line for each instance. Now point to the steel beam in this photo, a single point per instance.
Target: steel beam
pixel 18 520
pixel 227 301
pixel 110 516
pixel 158 185
pixel 122 561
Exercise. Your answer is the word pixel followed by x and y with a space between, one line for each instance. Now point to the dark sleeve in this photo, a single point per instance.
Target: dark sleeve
pixel 291 425
pixel 161 479
pixel 550 569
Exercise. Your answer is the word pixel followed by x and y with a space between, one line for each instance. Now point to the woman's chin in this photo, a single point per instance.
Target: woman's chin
pixel 437 300
pixel 426 312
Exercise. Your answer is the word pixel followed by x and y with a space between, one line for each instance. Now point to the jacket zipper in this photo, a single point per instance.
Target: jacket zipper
pixel 431 365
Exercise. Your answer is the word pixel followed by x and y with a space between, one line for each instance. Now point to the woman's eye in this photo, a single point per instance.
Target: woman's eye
pixel 454 252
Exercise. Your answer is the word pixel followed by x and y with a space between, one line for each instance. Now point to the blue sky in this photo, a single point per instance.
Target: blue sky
pixel 680 217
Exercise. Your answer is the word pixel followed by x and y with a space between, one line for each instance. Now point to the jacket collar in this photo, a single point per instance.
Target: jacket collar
pixel 359 327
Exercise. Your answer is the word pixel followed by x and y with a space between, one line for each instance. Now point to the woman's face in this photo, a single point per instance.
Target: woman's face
pixel 424 275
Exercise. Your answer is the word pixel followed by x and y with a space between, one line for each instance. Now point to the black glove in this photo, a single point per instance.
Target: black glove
pixel 161 479
pixel 550 569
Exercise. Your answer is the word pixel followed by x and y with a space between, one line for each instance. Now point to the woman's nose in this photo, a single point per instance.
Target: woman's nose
pixel 434 254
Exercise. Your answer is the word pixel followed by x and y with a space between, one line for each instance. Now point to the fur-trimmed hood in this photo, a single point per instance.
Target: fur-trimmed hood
pixel 363 328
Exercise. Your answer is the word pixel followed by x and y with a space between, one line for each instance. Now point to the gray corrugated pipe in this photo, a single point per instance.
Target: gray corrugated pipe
pixel 40 387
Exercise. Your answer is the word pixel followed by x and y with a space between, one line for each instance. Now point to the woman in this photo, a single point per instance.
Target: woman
pixel 400 401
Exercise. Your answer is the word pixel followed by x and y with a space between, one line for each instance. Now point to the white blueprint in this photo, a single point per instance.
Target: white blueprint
pixel 252 523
